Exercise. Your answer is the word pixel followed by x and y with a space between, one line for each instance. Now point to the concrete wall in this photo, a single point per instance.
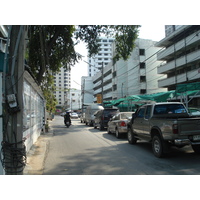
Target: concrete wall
pixel 1 120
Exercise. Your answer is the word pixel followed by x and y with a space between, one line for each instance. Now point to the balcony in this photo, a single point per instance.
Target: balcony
pixel 194 56
pixel 181 78
pixel 188 41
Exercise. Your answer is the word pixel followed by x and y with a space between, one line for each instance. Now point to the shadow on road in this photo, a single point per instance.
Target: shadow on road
pixel 121 158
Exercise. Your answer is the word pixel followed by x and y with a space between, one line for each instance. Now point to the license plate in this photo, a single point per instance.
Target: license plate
pixel 196 137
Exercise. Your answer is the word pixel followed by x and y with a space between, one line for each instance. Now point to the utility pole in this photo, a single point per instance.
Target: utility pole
pixel 102 83
pixel 13 147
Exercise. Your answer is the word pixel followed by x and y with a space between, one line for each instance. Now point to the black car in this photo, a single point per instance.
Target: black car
pixel 102 117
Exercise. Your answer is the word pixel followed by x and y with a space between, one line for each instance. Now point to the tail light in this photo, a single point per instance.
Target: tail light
pixel 123 123
pixel 175 128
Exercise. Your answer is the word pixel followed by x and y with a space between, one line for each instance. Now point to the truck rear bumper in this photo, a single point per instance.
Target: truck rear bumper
pixel 185 142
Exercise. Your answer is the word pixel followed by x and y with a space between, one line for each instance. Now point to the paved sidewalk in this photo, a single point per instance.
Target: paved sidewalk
pixel 37 154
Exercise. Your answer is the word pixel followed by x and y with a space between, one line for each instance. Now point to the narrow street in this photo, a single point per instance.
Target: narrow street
pixel 83 150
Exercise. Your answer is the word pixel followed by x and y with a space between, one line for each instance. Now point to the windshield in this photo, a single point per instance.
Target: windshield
pixel 169 109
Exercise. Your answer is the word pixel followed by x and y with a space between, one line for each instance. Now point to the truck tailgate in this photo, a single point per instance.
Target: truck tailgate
pixel 189 126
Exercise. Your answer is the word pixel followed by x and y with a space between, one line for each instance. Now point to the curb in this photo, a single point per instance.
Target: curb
pixel 37 155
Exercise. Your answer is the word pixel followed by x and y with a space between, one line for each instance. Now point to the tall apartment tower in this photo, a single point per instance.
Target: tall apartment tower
pixel 62 82
pixel 102 58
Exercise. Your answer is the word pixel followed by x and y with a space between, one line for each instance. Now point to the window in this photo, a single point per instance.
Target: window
pixel 169 109
pixel 140 113
pixel 142 52
pixel 143 91
pixel 142 65
pixel 73 94
pixel 142 78
pixel 114 87
pixel 148 112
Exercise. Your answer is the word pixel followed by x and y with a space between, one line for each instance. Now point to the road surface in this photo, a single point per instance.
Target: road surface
pixel 83 150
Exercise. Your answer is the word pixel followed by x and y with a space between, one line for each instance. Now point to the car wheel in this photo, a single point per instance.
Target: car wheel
pixel 196 148
pixel 117 133
pixel 130 137
pixel 101 127
pixel 157 146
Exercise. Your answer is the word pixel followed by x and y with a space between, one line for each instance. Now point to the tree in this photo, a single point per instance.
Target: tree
pixel 51 47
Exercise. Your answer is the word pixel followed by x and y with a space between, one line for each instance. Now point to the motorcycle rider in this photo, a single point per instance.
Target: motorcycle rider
pixel 67 118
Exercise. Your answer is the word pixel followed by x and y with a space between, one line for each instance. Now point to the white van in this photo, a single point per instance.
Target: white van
pixel 89 113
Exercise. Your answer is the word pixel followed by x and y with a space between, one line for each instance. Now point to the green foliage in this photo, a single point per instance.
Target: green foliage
pixel 124 35
pixel 48 89
pixel 51 47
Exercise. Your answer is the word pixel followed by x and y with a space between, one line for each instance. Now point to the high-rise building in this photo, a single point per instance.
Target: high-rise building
pixel 62 82
pixel 102 58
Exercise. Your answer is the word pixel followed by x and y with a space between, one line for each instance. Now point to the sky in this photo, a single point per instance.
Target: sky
pixel 153 32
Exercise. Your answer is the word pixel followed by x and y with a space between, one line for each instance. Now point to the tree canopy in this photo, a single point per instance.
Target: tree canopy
pixel 52 46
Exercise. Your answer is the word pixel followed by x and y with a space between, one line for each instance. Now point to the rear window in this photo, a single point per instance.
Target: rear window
pixel 108 113
pixel 126 115
pixel 169 109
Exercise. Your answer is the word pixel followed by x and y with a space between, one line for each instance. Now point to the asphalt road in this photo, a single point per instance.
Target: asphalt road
pixel 83 150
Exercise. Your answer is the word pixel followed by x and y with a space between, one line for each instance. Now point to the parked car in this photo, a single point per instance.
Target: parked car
pixel 102 117
pixel 194 111
pixel 118 123
pixel 165 124
pixel 89 113
pixel 74 115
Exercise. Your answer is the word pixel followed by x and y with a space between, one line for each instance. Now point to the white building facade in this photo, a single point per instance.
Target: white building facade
pixel 182 55
pixel 62 82
pixel 87 90
pixel 102 58
pixel 137 75
pixel 73 100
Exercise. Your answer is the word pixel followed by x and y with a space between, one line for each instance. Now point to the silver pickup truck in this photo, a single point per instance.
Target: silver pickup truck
pixel 165 124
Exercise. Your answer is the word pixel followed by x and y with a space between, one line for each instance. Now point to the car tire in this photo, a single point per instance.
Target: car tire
pixel 158 146
pixel 117 133
pixel 130 137
pixel 101 127
pixel 196 148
